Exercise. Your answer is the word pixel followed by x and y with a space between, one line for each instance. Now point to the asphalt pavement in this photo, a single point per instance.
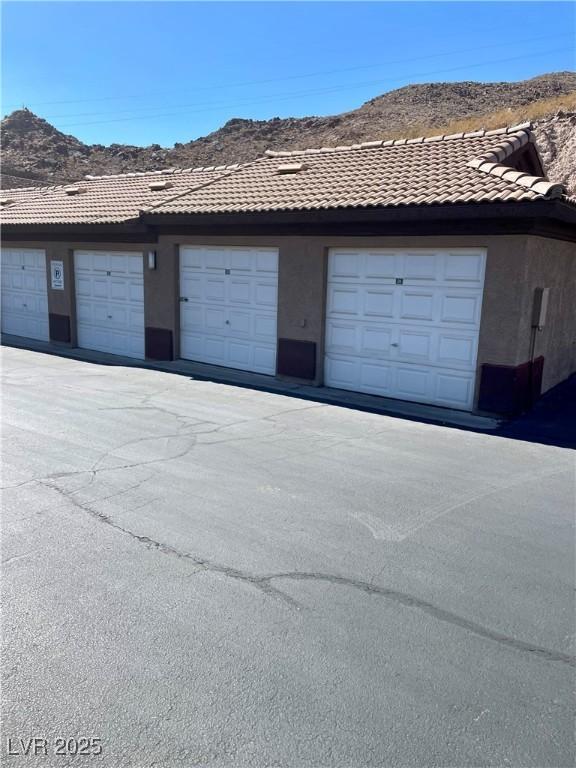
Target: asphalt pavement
pixel 198 574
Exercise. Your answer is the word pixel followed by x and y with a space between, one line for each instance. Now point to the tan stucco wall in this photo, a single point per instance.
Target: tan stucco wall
pixel 161 290
pixel 515 265
pixel 550 264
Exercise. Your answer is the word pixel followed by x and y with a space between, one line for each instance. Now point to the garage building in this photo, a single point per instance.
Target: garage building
pixel 437 270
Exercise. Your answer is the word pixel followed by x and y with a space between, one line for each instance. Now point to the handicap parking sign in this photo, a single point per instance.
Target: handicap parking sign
pixel 57 275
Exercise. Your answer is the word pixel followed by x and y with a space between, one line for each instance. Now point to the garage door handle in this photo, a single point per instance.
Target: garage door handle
pixel 109 317
pixel 183 298
pixel 227 322
pixel 394 345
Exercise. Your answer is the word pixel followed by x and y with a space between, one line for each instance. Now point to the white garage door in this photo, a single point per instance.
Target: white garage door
pixel 228 306
pixel 405 324
pixel 110 302
pixel 24 293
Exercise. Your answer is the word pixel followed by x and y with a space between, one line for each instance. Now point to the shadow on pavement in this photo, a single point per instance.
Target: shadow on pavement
pixel 552 421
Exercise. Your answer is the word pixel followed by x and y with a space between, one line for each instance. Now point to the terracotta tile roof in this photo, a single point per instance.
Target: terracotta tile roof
pixel 460 168
pixel 101 199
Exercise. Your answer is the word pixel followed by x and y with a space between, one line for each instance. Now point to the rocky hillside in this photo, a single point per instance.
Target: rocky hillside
pixel 34 151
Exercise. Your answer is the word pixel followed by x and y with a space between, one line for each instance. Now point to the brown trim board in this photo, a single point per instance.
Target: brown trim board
pixel 509 389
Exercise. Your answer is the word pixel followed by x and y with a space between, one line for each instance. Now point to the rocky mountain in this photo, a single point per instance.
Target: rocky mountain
pixel 34 151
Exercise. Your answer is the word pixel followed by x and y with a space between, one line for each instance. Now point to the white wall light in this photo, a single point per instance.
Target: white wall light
pixel 151 259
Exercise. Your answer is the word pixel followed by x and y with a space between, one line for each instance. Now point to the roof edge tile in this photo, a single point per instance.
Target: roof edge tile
pixel 537 184
pixel 505 131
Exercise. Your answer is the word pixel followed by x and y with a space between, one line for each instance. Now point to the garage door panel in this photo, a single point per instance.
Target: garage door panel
pixel 41 304
pixel 83 285
pixel 376 340
pixel 414 337
pixel 456 350
pixel 267 260
pixel 24 296
pixel 370 376
pixel 464 268
pixel 137 292
pixel 420 267
pixel 99 288
pixel 265 327
pixel 413 383
pixel 266 294
pixel 119 316
pixel 376 378
pixel 453 389
pixel 415 345
pixel 214 259
pixel 137 317
pixel 90 262
pixel 380 265
pixel 345 264
pixel 264 359
pixel 134 265
pixel 379 303
pixel 201 260
pixel 215 348
pixel 417 306
pixel 192 346
pixel 30 282
pixel 192 259
pixel 84 312
pixel 241 322
pixel 344 301
pixel 228 315
pixel 119 290
pixel 191 315
pixel 214 318
pixel 240 291
pixel 32 259
pixel 110 302
pixel 191 287
pixel 460 308
pixel 215 289
pixel 342 373
pixel 98 313
pixel 120 265
pixel 240 259
pixel 135 345
pixel 239 353
pixel 342 337
pixel 15 280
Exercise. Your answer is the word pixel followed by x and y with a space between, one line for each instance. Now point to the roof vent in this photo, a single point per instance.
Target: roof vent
pixel 156 186
pixel 290 168
pixel 6 201
pixel 74 190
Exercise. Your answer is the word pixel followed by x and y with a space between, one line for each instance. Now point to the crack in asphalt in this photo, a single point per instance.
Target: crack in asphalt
pixel 95 470
pixel 167 549
pixel 192 436
pixel 449 617
pixel 264 584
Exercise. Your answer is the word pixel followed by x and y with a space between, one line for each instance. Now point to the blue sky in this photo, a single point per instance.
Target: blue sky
pixel 162 72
